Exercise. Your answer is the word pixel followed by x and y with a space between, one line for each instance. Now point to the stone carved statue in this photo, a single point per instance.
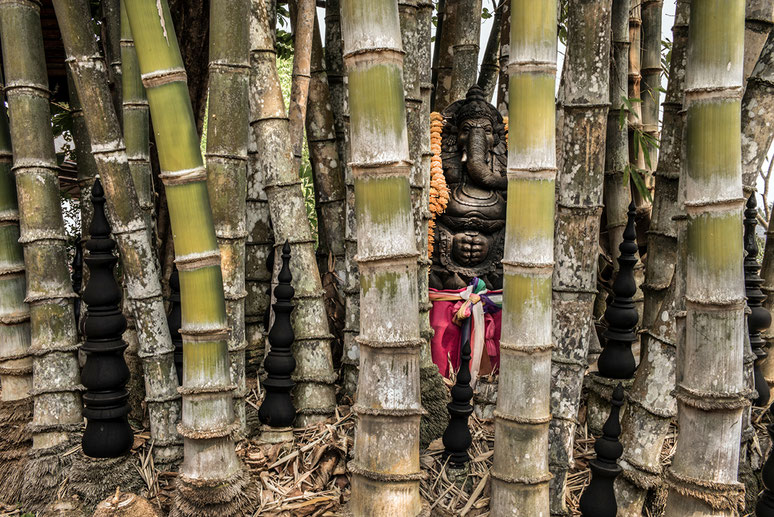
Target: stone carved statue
pixel 470 233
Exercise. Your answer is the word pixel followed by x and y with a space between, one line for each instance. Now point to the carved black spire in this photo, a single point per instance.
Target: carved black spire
pixel 175 321
pixel 598 500
pixel 616 360
pixel 457 438
pixel 760 318
pixel 277 409
pixel 105 373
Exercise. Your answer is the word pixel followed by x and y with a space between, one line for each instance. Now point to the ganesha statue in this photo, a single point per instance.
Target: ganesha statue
pixel 469 234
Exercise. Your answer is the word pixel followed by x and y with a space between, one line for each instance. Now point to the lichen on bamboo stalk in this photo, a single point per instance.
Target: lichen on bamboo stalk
pixel 226 155
pixel 314 393
pixel 576 246
pixel 523 401
pixel 15 357
pixel 57 412
pixel 651 403
pixel 138 260
pixel 386 467
pixel 211 471
pixel 710 387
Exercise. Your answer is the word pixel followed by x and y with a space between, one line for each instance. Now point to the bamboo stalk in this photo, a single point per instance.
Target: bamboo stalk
pixel 227 137
pixel 304 23
pixel 334 52
pixel 136 122
pixel 54 340
pixel 328 173
pixel 111 42
pixel 576 236
pixel 757 26
pixel 314 393
pixel 505 38
pixel 138 260
pixel 445 51
pixel 710 382
pixel 523 401
pixel 211 470
pixel 15 358
pixel 651 403
pixel 465 48
pixel 386 467
pixel 651 74
pixel 490 63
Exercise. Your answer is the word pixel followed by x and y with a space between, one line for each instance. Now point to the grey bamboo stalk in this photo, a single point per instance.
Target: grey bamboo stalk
pixel 314 392
pixel 305 14
pixel 490 63
pixel 711 392
pixel 651 403
pixel 15 358
pixel 505 37
pixel 211 471
pixel 111 13
pixel 635 120
pixel 327 167
pixel 87 166
pixel 136 119
pixel 617 193
pixel 54 339
pixel 466 47
pixel 385 468
pixel 651 73
pixel 523 401
pixel 443 80
pixel 576 236
pixel 226 156
pixel 755 145
pixel 334 60
pixel 757 26
pixel 440 15
pixel 138 259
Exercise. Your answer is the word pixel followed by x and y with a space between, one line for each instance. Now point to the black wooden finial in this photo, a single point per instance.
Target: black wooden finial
pixel 277 409
pixel 175 321
pixel 759 318
pixel 457 438
pixel 598 500
pixel 617 360
pixel 105 373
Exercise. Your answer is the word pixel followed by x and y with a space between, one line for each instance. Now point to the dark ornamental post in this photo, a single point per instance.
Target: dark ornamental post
pixel 598 500
pixel 105 373
pixel 617 360
pixel 759 318
pixel 457 438
pixel 277 412
pixel 175 321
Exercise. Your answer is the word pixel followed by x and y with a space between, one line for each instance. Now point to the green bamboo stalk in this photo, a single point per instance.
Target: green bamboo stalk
pixel 523 399
pixel 579 206
pixel 227 138
pixel 651 403
pixel 314 394
pixel 711 389
pixel 211 471
pixel 136 118
pixel 54 340
pixel 138 260
pixel 15 358
pixel 386 467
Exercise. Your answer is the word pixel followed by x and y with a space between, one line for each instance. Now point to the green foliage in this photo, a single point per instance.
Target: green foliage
pixel 642 142
pixel 666 56
pixel 62 126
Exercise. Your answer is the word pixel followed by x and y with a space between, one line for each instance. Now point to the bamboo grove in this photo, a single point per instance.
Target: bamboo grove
pixel 387 257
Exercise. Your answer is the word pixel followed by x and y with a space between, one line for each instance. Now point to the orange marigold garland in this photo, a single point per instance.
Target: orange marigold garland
pixel 439 191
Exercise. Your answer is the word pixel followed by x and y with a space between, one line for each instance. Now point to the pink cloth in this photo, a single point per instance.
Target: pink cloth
pixel 445 345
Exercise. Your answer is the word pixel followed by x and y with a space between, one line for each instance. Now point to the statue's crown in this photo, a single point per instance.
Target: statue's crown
pixel 476 106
